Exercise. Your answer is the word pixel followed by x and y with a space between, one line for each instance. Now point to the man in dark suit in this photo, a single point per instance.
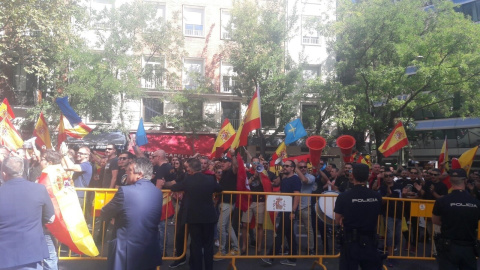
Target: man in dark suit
pixel 200 213
pixel 24 207
pixel 136 209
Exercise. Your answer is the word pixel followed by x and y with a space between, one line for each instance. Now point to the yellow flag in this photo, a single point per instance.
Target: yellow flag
pixel 466 159
pixel 9 136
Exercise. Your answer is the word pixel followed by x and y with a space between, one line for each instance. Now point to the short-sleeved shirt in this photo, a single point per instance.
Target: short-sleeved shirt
pixel 360 208
pixel 112 165
pixel 228 182
pixel 343 183
pixel 164 171
pixel 307 188
pixel 291 184
pixel 392 208
pixel 82 179
pixel 459 213
pixel 440 188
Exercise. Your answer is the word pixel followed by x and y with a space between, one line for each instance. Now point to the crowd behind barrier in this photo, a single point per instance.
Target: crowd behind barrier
pixel 412 233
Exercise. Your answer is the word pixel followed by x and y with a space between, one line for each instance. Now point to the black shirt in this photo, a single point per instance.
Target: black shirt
pixel 112 165
pixel 228 182
pixel 121 178
pixel 440 188
pixel 391 205
pixel 360 208
pixel 343 183
pixel 164 171
pixel 459 213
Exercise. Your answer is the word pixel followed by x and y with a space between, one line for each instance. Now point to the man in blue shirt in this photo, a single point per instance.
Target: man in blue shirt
pixel 291 183
pixel 82 171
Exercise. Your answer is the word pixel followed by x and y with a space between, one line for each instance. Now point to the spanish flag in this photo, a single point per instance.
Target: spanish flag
pixel 9 136
pixel 466 159
pixel 281 152
pixel 6 110
pixel 167 206
pixel 69 226
pixel 443 158
pixel 42 133
pixel 395 141
pixel 250 122
pixel 225 137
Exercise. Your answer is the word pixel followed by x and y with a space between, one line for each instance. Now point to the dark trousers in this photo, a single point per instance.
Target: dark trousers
pixel 457 257
pixel 360 253
pixel 201 237
pixel 285 230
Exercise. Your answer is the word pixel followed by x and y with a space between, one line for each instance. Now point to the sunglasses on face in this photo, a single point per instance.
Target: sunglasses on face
pixel 434 174
pixel 109 149
pixel 388 175
pixel 286 166
pixel 219 172
pixel 122 158
pixel 302 167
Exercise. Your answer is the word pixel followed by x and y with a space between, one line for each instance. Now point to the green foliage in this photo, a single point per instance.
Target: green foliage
pixel 100 82
pixel 259 31
pixel 33 36
pixel 188 114
pixel 376 40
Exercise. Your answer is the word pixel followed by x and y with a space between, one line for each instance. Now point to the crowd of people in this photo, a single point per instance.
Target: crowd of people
pixel 215 219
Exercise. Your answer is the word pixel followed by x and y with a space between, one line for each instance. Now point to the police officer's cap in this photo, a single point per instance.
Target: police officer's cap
pixel 461 173
pixel 360 172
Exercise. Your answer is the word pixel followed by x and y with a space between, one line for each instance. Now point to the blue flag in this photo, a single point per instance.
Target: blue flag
pixel 294 131
pixel 141 136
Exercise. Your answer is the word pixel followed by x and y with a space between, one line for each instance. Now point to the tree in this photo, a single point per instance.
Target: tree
pixel 259 30
pixel 375 41
pixel 101 81
pixel 33 36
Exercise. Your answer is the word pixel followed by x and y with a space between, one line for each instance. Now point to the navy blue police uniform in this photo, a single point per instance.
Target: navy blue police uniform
pixel 456 245
pixel 360 208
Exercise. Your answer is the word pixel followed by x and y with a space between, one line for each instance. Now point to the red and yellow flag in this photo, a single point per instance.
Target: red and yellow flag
pixel 9 136
pixel 395 141
pixel 466 159
pixel 167 206
pixel 281 152
pixel 225 138
pixel 69 226
pixel 250 122
pixel 6 110
pixel 42 133
pixel 443 158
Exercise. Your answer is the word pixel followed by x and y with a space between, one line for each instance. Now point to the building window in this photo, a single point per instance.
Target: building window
pixel 97 7
pixel 471 9
pixel 225 18
pixel 159 14
pixel 310 35
pixel 193 19
pixel 193 111
pixel 192 71
pixel 152 107
pixel 231 110
pixel 228 78
pixel 309 114
pixel 311 72
pixel 153 71
pixel 268 119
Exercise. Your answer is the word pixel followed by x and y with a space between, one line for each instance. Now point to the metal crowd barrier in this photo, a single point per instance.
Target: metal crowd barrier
pixel 102 232
pixel 410 219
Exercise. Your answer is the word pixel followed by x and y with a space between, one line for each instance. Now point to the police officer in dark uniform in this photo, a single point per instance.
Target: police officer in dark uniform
pixel 357 211
pixel 457 213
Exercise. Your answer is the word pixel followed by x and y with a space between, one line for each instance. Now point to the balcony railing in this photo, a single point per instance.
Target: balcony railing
pixel 152 83
pixel 311 40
